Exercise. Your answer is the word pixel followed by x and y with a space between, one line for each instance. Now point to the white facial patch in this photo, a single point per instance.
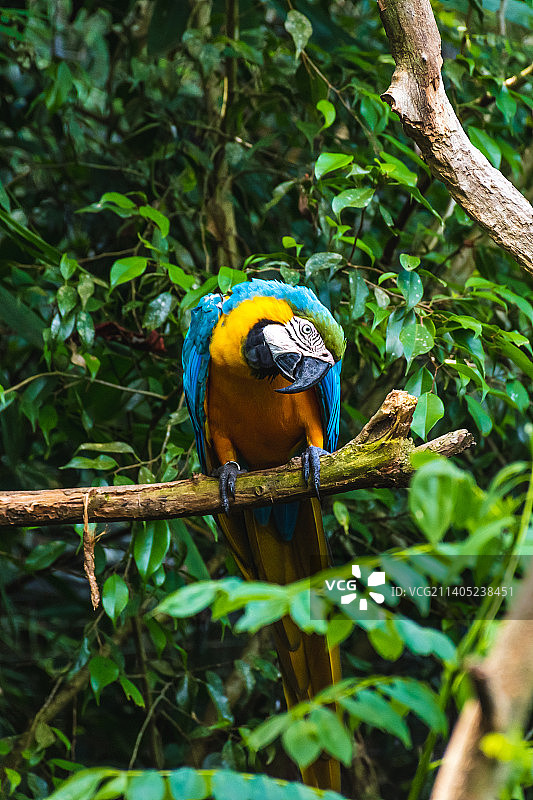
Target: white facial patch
pixel 297 336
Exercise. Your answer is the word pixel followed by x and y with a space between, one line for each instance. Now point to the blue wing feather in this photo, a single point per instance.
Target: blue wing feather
pixel 329 394
pixel 195 359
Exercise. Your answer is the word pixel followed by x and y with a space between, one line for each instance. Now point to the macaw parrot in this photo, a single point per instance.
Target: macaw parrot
pixel 261 370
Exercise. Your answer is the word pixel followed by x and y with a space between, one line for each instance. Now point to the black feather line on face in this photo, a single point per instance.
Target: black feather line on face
pixel 257 353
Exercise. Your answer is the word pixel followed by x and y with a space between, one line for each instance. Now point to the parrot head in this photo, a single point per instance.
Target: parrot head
pixel 294 349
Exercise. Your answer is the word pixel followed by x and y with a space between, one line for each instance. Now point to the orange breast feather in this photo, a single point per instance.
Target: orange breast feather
pixel 247 419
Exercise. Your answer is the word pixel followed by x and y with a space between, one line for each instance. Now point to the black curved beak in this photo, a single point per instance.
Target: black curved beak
pixel 307 373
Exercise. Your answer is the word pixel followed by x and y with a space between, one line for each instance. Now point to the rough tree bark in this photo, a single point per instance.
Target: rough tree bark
pixel 504 683
pixel 378 456
pixel 417 95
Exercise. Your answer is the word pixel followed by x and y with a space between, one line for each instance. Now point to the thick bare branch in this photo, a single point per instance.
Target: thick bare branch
pixel 504 682
pixel 417 95
pixel 379 456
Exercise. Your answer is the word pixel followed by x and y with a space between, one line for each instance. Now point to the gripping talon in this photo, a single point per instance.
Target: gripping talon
pixel 227 475
pixel 311 466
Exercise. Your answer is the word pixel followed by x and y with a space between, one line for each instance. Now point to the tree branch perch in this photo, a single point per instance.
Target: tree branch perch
pixel 378 456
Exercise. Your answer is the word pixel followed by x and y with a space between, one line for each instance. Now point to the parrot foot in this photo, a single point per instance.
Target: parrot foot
pixel 227 474
pixel 311 466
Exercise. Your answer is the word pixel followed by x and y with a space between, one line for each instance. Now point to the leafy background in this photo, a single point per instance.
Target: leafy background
pixel 152 152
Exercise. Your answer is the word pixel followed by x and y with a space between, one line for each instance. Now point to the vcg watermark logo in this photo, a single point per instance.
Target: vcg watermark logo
pixel 351 591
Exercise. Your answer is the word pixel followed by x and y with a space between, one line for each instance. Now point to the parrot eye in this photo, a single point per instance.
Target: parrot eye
pixel 306 329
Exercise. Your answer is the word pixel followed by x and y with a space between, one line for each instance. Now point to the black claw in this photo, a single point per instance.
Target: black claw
pixel 311 466
pixel 227 474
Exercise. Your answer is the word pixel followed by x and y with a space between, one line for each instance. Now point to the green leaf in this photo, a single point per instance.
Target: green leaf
pixel 342 515
pixel 115 597
pixel 433 497
pixel 299 27
pixel 467 322
pixel 409 262
pixel 126 269
pixel 290 276
pixel 67 266
pixel 407 151
pixel 479 415
pixel 260 613
pixel 21 319
pixel 189 600
pixel 428 411
pixel 85 288
pixel 320 261
pixel 150 546
pixel 83 785
pixel 157 311
pixel 420 382
pixel 117 199
pixel 229 785
pixel 188 783
pixel 67 297
pixel 416 340
pixel 339 628
pixel 100 463
pixel 28 240
pixel 193 561
pixel 148 785
pixel 13 777
pixel 425 641
pixel 215 688
pixel 228 277
pixel 300 610
pixel 518 394
pixel 44 555
pixel 419 699
pixel 157 217
pixel 48 420
pixel 514 354
pixel 269 730
pixel 386 640
pixel 370 707
pixel 44 735
pixel 178 276
pixel 301 742
pixel 396 170
pixel 410 285
pixel 113 788
pixel 327 162
pixel 397 320
pixel 488 146
pixel 85 328
pixel 506 103
pixel 103 671
pixel 352 198
pixel 131 691
pixel 469 373
pixel 4 198
pixel 332 734
pixel 327 109
pixel 107 447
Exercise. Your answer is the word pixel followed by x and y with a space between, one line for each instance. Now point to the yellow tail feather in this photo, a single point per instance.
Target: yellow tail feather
pixel 306 663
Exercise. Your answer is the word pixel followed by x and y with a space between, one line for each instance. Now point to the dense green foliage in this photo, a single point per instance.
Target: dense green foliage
pixel 149 156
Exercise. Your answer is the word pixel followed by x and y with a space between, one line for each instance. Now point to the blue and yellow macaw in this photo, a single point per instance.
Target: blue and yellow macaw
pixel 262 383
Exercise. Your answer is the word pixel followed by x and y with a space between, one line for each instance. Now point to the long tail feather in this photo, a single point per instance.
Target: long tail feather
pixel 306 663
